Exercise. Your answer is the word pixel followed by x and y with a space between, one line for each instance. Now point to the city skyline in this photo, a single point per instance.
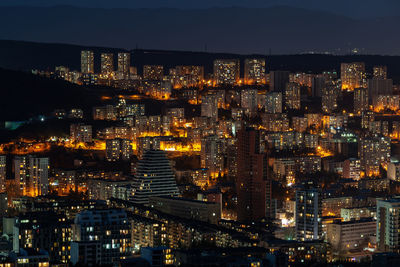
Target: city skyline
pixel 218 154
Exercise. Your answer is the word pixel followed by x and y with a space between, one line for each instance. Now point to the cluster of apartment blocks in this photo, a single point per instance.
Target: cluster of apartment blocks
pixel 284 95
pixel 88 232
pixel 101 235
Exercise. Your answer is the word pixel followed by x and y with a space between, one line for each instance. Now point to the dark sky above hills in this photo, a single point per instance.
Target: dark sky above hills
pixel 352 8
pixel 281 30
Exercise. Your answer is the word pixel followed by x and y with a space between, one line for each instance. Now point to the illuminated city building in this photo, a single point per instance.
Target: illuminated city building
pixel 124 63
pixel 74 77
pixel 352 169
pixel 330 94
pixel 108 229
pixel 107 112
pixel 308 164
pixel 107 63
pixel 81 133
pixel 44 231
pixel 147 232
pixel 285 169
pixel 212 155
pixel 153 72
pixel 62 72
pixel 292 96
pixel 366 118
pixel 350 235
pixel 65 181
pixel 254 71
pixel 353 75
pixel 249 102
pixel 32 175
pixel 163 91
pixel 299 124
pixel 157 256
pixel 87 62
pixel 27 257
pixel 3 172
pixel 226 71
pixel 393 171
pixel 187 76
pixel 311 141
pixel 360 100
pixel 379 72
pixel 301 78
pixel 386 102
pixel 209 106
pixel 278 122
pixel 89 79
pixel 147 143
pixel 373 151
pixel 177 115
pixel 76 113
pixel 154 177
pixel 273 102
pixel 117 149
pixel 387 224
pixel 308 213
pixel 349 214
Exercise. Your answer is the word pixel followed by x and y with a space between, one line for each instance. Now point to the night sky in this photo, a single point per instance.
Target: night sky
pixel 352 8
pixel 234 26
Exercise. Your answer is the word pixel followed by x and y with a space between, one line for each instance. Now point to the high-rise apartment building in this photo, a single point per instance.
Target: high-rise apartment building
pixel 3 172
pixel 43 231
pixel 253 186
pixel 153 72
pixel 308 213
pixel 353 75
pixel 124 63
pixel 388 224
pixel 212 155
pixel 32 175
pixel 274 102
pixel 154 177
pixel 380 72
pixel 352 169
pixel 360 100
pixel 87 62
pixel 81 133
pixel 249 100
pixel 254 71
pixel 107 232
pixel 187 76
pixel 226 71
pixel 330 93
pixel 107 63
pixel 117 149
pixel 209 106
pixel 292 96
pixel 373 151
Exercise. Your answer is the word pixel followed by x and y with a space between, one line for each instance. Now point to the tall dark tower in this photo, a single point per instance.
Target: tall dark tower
pixel 253 186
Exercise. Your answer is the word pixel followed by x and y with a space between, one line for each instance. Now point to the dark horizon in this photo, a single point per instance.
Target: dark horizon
pixel 355 8
pixel 282 30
